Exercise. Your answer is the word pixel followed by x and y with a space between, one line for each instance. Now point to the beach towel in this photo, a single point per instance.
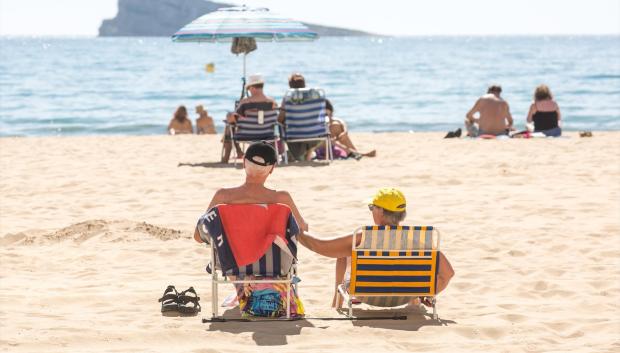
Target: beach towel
pixel 243 233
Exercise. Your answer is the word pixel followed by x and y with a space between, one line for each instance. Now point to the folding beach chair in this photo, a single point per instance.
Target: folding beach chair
pixel 256 125
pixel 251 243
pixel 305 117
pixel 392 265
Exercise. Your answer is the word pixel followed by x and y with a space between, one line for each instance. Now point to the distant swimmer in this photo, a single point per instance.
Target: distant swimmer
pixel 493 115
pixel 180 124
pixel 204 123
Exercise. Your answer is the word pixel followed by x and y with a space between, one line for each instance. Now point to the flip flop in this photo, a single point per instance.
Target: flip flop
pixel 169 300
pixel 188 301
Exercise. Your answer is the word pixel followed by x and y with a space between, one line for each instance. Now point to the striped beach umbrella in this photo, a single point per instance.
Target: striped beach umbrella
pixel 247 25
pixel 231 22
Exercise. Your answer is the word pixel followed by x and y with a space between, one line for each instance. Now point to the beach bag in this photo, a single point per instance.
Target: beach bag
pixel 268 300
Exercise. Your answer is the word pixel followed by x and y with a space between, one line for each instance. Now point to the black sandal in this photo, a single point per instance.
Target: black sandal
pixel 169 300
pixel 188 301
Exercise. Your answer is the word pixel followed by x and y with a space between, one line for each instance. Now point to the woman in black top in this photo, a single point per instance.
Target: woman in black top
pixel 544 113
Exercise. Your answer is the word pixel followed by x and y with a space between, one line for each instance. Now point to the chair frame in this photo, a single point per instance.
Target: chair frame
pixel 343 292
pixel 215 282
pixel 232 127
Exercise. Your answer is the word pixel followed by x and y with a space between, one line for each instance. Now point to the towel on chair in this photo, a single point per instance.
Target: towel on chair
pixel 243 233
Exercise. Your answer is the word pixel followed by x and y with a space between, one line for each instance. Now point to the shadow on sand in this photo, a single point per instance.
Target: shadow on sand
pixel 274 333
pixel 239 165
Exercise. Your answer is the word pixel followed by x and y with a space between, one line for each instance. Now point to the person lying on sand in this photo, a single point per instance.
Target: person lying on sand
pixel 388 208
pixel 494 119
pixel 259 162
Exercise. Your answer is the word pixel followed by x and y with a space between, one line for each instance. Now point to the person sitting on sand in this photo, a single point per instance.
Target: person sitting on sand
pixel 256 100
pixel 544 113
pixel 494 115
pixel 180 124
pixel 204 123
pixel 259 162
pixel 340 136
pixel 388 208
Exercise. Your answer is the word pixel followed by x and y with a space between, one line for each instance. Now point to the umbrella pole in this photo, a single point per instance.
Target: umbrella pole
pixel 243 78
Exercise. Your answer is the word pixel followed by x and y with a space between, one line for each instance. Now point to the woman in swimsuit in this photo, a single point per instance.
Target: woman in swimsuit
pixel 544 113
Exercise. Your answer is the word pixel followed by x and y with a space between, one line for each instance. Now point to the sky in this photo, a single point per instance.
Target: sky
pixel 389 17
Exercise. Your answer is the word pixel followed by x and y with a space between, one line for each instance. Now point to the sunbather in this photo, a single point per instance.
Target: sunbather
pixel 259 161
pixel 180 124
pixel 388 207
pixel 204 123
pixel 494 115
pixel 256 100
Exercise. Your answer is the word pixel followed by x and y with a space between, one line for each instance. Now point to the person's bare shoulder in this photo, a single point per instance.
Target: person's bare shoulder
pixel 221 196
pixel 284 197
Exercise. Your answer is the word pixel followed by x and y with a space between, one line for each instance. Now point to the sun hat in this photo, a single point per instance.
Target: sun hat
pixel 261 153
pixel 255 79
pixel 390 199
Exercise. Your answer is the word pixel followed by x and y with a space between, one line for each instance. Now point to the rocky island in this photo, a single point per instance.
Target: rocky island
pixel 161 18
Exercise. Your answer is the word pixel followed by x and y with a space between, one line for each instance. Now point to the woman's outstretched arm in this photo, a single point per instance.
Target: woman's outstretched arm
pixel 336 247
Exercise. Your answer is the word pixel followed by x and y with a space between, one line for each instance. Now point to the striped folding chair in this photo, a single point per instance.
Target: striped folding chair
pixel 272 259
pixel 256 125
pixel 306 118
pixel 392 265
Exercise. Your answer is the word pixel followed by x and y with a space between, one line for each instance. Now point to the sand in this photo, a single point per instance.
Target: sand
pixel 92 230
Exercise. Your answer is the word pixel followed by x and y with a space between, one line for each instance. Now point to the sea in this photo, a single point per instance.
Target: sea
pixel 132 85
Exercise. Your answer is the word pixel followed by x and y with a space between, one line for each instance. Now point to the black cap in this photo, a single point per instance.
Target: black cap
pixel 261 153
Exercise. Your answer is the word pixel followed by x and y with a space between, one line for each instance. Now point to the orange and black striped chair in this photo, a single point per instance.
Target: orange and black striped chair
pixel 392 265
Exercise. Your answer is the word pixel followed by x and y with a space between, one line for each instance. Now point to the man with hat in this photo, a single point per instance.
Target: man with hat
pixel 259 161
pixel 256 100
pixel 388 208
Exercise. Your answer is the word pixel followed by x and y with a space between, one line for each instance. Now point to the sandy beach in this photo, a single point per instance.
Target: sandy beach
pixel 93 229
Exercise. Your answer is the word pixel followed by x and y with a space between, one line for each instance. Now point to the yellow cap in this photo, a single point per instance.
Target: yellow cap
pixel 390 199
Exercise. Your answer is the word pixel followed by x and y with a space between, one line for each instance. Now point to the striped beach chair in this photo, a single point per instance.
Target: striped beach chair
pixel 274 258
pixel 252 127
pixel 392 265
pixel 306 117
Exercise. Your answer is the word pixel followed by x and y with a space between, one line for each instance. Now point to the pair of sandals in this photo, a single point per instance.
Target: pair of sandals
pixel 454 134
pixel 185 302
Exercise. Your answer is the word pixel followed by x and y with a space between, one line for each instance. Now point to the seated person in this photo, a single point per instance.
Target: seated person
pixel 544 113
pixel 204 123
pixel 259 162
pixel 299 151
pixel 180 124
pixel 340 136
pixel 256 100
pixel 388 207
pixel 494 115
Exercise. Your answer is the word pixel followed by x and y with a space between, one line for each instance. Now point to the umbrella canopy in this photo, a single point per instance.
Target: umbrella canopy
pixel 243 26
pixel 259 23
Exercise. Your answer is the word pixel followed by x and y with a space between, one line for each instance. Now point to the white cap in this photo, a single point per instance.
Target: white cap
pixel 255 79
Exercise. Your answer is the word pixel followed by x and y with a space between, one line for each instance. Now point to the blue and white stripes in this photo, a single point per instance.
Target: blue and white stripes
pixel 259 23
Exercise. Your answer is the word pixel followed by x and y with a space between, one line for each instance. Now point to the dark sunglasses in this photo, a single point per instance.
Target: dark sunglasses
pixel 371 207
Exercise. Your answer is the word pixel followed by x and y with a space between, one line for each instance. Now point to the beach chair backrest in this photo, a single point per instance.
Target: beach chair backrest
pixel 253 224
pixel 305 113
pixel 395 261
pixel 250 127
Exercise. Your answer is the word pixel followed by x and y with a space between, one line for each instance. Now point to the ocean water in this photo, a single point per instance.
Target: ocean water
pixel 131 86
